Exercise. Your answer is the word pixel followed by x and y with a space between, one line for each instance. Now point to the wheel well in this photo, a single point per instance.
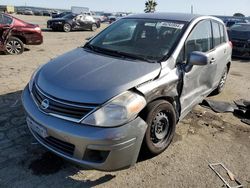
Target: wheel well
pixel 171 100
pixel 23 39
pixel 228 66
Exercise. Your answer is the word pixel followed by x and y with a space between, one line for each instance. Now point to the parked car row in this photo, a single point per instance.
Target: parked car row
pixel 37 12
pixel 15 33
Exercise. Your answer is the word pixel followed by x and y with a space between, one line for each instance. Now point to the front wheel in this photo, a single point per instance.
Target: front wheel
pixel 14 46
pixel 161 119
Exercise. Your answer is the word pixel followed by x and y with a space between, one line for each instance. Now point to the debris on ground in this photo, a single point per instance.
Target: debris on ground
pixel 215 167
pixel 240 108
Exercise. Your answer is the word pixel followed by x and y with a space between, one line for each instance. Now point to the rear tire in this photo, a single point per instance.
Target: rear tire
pixel 161 119
pixel 93 27
pixel 66 27
pixel 14 46
pixel 222 82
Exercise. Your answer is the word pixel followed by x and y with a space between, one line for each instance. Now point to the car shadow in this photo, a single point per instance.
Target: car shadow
pixel 23 159
pixel 241 60
pixel 25 50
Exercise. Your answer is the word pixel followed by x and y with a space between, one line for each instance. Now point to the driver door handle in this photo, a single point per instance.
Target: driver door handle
pixel 212 60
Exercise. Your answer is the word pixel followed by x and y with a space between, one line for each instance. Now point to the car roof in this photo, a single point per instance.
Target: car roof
pixel 167 16
pixel 242 23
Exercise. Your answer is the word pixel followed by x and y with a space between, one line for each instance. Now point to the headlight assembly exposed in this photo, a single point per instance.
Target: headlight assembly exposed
pixel 117 111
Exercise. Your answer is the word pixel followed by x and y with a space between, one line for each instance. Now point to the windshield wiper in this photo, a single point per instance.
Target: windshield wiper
pixel 117 53
pixel 132 56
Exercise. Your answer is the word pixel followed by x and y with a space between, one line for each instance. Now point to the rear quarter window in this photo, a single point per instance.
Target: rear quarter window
pixel 222 34
pixel 216 34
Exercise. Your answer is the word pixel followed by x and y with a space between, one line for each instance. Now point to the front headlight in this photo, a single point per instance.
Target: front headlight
pixel 59 22
pixel 118 111
pixel 31 82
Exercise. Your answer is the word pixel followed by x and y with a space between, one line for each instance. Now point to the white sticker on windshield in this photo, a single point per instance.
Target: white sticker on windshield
pixel 172 25
pixel 150 24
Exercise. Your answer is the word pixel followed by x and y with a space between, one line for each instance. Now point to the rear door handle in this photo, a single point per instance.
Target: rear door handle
pixel 212 60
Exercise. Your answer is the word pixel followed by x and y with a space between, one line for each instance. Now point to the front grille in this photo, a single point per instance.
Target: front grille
pixel 60 108
pixel 58 145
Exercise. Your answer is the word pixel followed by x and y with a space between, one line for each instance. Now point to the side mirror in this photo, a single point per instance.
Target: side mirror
pixel 196 58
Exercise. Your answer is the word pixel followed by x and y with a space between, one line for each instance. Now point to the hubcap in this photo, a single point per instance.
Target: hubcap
pixel 67 27
pixel 13 47
pixel 160 128
pixel 94 27
pixel 223 79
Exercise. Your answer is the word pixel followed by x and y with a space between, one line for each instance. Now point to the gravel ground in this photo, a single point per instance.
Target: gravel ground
pixel 201 138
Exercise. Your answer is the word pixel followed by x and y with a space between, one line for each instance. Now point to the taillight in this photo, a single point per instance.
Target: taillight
pixel 38 29
pixel 231 44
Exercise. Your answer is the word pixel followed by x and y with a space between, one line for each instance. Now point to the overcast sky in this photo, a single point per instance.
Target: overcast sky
pixel 209 7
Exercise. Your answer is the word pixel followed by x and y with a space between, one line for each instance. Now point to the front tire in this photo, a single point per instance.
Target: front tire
pixel 161 119
pixel 14 46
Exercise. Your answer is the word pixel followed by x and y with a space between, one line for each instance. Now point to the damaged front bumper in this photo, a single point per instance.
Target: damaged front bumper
pixel 99 148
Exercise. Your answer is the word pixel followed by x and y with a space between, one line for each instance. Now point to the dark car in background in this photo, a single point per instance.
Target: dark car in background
pixel 60 15
pixel 28 12
pixel 46 13
pixel 19 33
pixel 239 35
pixel 231 22
pixel 73 22
pixel 38 12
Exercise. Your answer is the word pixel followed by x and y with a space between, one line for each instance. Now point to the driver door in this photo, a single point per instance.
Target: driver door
pixel 198 82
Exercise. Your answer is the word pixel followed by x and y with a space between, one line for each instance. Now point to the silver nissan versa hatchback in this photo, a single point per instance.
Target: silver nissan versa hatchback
pixel 125 90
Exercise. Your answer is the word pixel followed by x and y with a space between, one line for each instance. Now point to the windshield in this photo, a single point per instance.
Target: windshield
pixel 145 38
pixel 241 27
pixel 69 16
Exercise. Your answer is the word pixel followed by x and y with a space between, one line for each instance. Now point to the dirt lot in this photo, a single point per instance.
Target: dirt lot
pixel 202 137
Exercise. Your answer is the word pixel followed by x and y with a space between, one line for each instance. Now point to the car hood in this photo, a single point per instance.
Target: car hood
pixel 87 77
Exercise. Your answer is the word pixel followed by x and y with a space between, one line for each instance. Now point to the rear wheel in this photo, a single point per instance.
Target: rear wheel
pixel 93 27
pixel 14 46
pixel 66 27
pixel 161 119
pixel 222 82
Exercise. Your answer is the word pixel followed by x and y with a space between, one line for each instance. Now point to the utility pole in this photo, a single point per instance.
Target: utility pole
pixel 192 9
